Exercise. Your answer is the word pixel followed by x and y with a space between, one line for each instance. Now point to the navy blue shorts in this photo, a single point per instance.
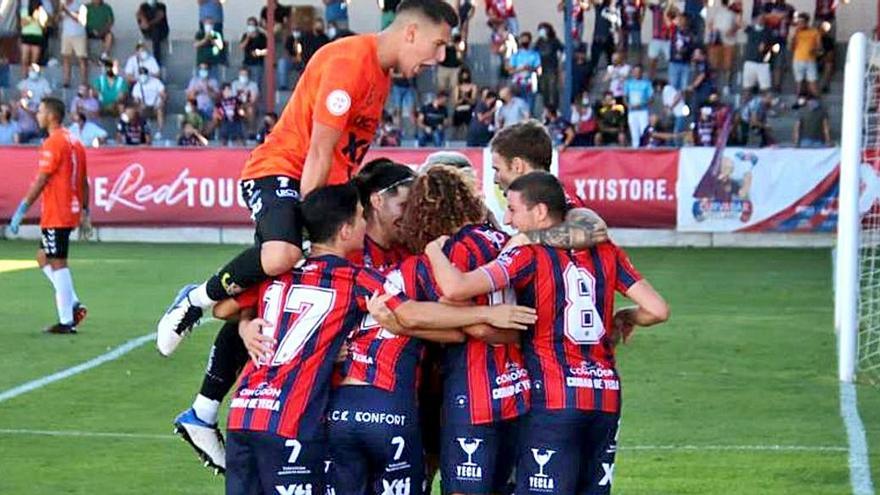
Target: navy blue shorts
pixel 477 459
pixel 566 453
pixel 375 442
pixel 259 462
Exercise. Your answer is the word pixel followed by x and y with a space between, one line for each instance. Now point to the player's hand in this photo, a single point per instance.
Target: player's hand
pixel 258 345
pixel 437 243
pixel 380 311
pixel 85 226
pixel 623 328
pixel 517 241
pixel 512 317
pixel 17 217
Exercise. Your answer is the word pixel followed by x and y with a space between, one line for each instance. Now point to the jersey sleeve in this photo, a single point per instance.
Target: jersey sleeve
pixel 627 275
pixel 249 298
pixel 50 157
pixel 513 268
pixel 339 86
pixel 368 281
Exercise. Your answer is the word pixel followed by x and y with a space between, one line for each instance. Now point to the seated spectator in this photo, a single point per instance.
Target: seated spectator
pixel 248 94
pixel 112 89
pixel 34 21
pixel 753 117
pixel 432 120
pixel 611 117
pixel 73 39
pixel 524 68
pixel 638 92
pixel 142 59
pixel 210 46
pixel 88 132
pixel 25 114
pixel 132 129
pixel 253 47
pixel 654 136
pixel 152 19
pixel 9 130
pixel 35 87
pixel 204 90
pixel 193 116
pixel 269 121
pixel 229 117
pixel 191 137
pixel 85 101
pixel 389 135
pixel 513 109
pixel 149 95
pixel 703 83
pixel 584 121
pixel 812 129
pixel 99 25
pixel 561 130
pixel 502 45
pixel 465 97
pixel 616 74
pixel 402 100
pixel 482 125
pixel 806 45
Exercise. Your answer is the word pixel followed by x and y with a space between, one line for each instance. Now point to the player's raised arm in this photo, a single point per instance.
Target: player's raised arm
pixel 319 159
pixel 453 283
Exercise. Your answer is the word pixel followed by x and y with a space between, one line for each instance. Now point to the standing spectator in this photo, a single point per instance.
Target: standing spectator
pixel 464 96
pixel 313 40
pixel 826 57
pixel 190 136
pixel 447 70
pixel 611 121
pixel 132 129
pixel 681 50
pixel 25 114
pixel 503 45
pixel 432 121
pixel 756 54
pixel 693 10
pixel 36 86
pixel 482 125
pixel 149 95
pixel 524 67
pixel 336 11
pixel 580 70
pixel 631 12
pixel 778 17
pixel 389 135
pixel 502 12
pixel 229 117
pixel 722 26
pixel 616 74
pixel 111 88
pixel 85 102
pixel 34 19
pixel 211 10
pixel 753 117
pixel 561 131
pixel 826 11
pixel 9 38
pixel 513 109
pixel 662 21
pixel 204 90
pixel 210 46
pixel 549 47
pixel 402 100
pixel 812 129
pixel 638 92
pixel 335 32
pixel 9 130
pixel 703 83
pixel 805 46
pixel 674 108
pixel 141 59
pixel 709 122
pixel 248 93
pixel 192 116
pixel 73 39
pixel 269 121
pixel 389 9
pixel 466 11
pixel 288 60
pixel 99 24
pixel 603 34
pixel 152 19
pixel 584 121
pixel 88 132
pixel 253 47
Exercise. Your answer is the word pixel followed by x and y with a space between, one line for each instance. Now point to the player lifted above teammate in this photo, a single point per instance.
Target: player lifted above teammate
pixel 62 183
pixel 321 138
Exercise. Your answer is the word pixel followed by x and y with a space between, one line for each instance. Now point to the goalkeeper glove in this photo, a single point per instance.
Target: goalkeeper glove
pixel 17 217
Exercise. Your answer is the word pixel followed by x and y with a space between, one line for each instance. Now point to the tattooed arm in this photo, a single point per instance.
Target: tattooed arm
pixel 582 228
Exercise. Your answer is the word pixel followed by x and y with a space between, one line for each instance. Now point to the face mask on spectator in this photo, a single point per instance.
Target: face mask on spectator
pixel 33 75
pixel 209 28
pixel 296 33
pixel 251 28
pixel 243 78
pixel 143 78
pixel 203 73
pixel 142 54
pixel 188 108
pixel 542 33
pixel 331 32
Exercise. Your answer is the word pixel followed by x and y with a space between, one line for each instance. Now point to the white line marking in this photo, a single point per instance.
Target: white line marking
pixel 859 467
pixel 75 370
pixel 682 448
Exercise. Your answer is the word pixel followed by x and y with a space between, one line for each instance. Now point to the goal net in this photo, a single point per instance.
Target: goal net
pixel 858 248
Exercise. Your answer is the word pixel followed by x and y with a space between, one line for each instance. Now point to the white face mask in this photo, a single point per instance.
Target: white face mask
pixel 251 28
pixel 243 78
pixel 209 28
pixel 542 33
pixel 143 78
pixel 33 75
pixel 188 108
pixel 142 55
pixel 331 32
pixel 203 73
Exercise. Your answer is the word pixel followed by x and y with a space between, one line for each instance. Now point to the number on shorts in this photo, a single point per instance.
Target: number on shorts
pixel 400 443
pixel 294 452
pixel 308 307
pixel 583 323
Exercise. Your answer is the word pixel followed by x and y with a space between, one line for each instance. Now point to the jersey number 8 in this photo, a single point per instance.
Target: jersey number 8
pixel 583 323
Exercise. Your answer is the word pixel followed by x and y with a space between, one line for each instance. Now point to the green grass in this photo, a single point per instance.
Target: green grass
pixel 747 359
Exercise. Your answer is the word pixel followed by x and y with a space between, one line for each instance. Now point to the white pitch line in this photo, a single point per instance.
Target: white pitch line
pixel 75 370
pixel 859 467
pixel 86 434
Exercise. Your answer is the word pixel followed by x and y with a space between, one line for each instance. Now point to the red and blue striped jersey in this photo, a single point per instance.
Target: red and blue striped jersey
pixel 312 309
pixel 482 383
pixel 377 257
pixel 569 352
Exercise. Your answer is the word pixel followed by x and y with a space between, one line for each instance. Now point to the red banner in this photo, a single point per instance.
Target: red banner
pixel 628 188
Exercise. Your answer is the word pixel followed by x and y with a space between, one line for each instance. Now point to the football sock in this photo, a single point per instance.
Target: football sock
pixel 64 295
pixel 243 271
pixel 206 409
pixel 228 356
pixel 48 271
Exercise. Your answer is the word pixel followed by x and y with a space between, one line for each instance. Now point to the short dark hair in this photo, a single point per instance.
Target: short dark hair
pixel 542 187
pixel 55 107
pixel 325 210
pixel 528 141
pixel 381 174
pixel 436 10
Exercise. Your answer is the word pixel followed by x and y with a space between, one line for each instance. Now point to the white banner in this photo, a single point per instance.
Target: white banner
pixel 781 190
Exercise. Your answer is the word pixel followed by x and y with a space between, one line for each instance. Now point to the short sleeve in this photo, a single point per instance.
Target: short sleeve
pixel 627 275
pixel 368 281
pixel 339 87
pixel 513 268
pixel 50 158
pixel 249 298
